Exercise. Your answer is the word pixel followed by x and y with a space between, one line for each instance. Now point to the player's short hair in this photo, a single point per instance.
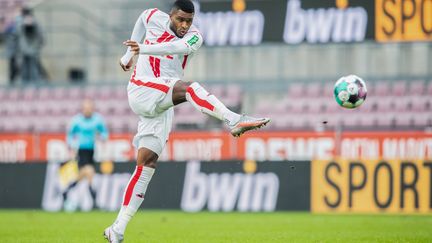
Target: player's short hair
pixel 184 5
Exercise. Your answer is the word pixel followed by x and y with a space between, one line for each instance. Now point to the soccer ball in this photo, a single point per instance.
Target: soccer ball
pixel 350 91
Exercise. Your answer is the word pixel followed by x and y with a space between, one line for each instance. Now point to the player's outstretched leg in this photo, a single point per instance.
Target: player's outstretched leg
pixel 209 104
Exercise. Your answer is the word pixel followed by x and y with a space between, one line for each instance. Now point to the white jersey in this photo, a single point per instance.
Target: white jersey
pixel 161 62
pixel 173 56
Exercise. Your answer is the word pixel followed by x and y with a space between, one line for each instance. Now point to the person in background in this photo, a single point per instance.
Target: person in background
pixel 85 129
pixel 30 42
pixel 12 44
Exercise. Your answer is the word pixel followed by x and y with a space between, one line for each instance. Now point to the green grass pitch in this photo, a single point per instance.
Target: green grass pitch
pixel 175 226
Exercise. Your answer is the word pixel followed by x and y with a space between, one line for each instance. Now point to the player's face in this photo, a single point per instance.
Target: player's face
pixel 180 22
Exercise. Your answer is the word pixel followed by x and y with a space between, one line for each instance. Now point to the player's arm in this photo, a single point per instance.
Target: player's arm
pixel 187 45
pixel 138 33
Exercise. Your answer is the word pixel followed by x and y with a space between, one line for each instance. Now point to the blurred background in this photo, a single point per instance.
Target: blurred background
pixel 273 58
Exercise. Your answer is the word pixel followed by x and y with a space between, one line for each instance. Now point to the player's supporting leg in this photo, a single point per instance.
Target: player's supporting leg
pixel 207 103
pixel 134 194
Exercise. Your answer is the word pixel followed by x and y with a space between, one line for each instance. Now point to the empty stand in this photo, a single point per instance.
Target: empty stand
pixel 304 106
pixel 50 109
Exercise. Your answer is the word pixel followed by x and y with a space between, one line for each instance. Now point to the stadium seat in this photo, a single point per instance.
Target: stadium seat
pixel 419 103
pixel 75 93
pixel 26 108
pixel 380 88
pixel 405 120
pixel 217 90
pixel 328 89
pixel 116 125
pixel 401 103
pixel 13 94
pixel 297 105
pixel 416 87
pixel 29 93
pixel 368 120
pixel 429 88
pixel 3 94
pixel 399 88
pixel 318 105
pixel 45 93
pixel 385 119
pixel 422 119
pixel 314 89
pixel 120 92
pixel 60 93
pixel 296 90
pixel 385 104
pixel 91 92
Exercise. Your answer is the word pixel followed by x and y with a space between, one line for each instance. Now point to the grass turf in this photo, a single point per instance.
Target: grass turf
pixel 175 226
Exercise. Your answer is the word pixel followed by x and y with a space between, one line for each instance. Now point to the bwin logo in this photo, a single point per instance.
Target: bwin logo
pixel 324 25
pixel 230 28
pixel 222 192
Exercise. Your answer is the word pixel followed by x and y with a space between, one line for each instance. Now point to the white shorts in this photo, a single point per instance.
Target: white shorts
pixel 152 102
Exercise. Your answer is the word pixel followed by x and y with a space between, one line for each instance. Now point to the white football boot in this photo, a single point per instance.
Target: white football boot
pixel 112 236
pixel 247 123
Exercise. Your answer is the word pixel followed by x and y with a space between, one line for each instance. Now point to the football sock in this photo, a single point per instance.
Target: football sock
pixel 209 104
pixel 133 197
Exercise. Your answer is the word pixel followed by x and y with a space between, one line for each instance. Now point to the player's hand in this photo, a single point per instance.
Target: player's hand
pixel 134 46
pixel 128 66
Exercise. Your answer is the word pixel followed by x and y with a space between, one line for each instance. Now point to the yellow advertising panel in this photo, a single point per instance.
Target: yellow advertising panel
pixel 403 20
pixel 372 186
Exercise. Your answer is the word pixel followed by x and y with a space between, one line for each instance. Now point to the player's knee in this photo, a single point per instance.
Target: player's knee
pixel 179 92
pixel 146 158
pixel 181 87
pixel 187 83
pixel 149 162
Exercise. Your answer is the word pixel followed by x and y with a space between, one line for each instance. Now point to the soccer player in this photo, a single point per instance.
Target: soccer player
pixel 155 87
pixel 83 131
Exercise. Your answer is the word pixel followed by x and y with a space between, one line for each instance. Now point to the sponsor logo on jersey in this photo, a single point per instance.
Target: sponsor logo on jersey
pixel 193 40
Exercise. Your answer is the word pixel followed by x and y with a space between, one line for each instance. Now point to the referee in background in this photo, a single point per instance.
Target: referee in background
pixel 85 128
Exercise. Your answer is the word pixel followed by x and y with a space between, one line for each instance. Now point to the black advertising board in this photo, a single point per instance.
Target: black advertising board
pixel 189 186
pixel 21 185
pixel 367 186
pixel 289 21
